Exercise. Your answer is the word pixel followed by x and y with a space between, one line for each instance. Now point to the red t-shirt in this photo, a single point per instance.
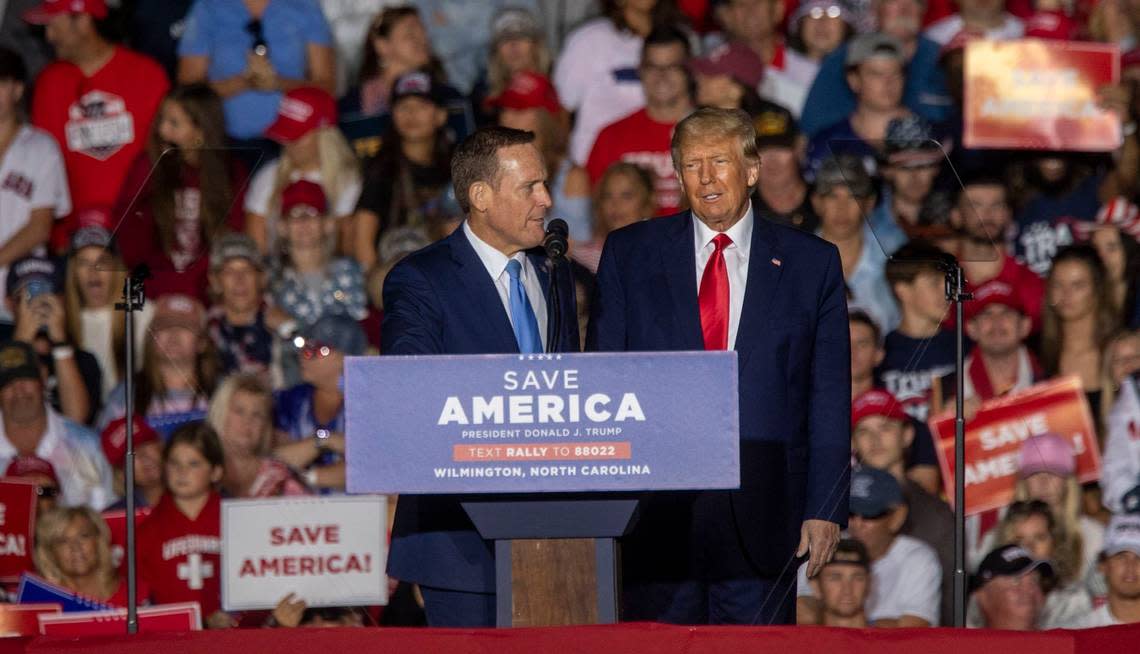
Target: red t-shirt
pixel 640 140
pixel 180 558
pixel 186 267
pixel 101 123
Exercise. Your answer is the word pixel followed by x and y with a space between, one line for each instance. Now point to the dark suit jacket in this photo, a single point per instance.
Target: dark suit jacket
pixel 441 300
pixel 794 367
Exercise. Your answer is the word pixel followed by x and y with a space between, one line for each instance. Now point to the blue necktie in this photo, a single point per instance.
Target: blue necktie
pixel 522 315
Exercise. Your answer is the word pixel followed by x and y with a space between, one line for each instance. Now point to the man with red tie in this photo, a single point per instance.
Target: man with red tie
pixel 717 277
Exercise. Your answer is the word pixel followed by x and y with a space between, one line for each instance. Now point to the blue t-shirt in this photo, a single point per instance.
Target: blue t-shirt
pixel 909 365
pixel 830 100
pixel 1045 224
pixel 293 416
pixel 217 29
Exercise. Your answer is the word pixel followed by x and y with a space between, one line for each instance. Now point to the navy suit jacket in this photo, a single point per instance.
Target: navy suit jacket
pixel 794 363
pixel 440 300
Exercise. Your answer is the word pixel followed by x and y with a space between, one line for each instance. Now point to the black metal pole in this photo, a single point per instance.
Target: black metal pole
pixel 133 299
pixel 956 293
pixel 553 308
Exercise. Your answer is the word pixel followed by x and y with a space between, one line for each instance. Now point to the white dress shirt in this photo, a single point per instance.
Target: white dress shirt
pixel 496 264
pixel 735 261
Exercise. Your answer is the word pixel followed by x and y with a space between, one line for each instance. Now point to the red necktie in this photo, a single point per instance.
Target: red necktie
pixel 713 297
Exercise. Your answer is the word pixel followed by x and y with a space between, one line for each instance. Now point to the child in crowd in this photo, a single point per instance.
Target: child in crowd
pixel 148 461
pixel 179 544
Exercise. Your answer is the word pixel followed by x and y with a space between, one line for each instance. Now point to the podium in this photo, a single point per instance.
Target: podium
pixel 549 455
pixel 556 561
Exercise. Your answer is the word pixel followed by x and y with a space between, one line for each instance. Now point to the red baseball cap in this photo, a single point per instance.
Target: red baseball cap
pixel 302 111
pixel 528 90
pixel 736 60
pixel 876 402
pixel 993 292
pixel 303 193
pixel 26 466
pixel 42 13
pixel 114 439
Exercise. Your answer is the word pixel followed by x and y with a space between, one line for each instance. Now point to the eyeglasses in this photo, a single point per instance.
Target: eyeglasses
pixel 819 12
pixel 47 492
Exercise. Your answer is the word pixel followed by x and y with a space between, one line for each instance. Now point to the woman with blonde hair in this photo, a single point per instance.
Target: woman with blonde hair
pixel 1121 358
pixel 1047 471
pixel 313 149
pixel 92 286
pixel 73 550
pixel 241 411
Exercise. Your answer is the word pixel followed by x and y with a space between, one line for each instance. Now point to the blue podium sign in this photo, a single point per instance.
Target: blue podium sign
pixel 508 423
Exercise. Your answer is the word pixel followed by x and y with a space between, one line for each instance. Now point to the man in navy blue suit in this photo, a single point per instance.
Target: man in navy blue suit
pixel 718 277
pixel 484 289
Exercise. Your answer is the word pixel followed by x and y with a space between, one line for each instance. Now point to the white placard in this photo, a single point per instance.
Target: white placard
pixel 329 551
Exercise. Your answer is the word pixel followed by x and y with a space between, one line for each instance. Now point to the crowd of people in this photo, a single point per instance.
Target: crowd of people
pixel 267 163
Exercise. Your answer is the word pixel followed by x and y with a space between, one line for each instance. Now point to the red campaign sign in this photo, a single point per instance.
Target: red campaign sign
pixel 995 434
pixel 17 528
pixel 23 619
pixel 186 616
pixel 117 523
pixel 1040 95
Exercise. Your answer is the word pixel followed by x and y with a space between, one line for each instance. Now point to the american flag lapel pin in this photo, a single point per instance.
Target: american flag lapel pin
pixel 776 262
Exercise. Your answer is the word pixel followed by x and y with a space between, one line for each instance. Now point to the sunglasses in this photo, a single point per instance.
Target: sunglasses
pixel 315 351
pixel 819 12
pixel 47 492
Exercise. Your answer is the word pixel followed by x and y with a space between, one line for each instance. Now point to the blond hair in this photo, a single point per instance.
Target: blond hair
pixel 1068 548
pixel 715 122
pixel 220 406
pixel 74 306
pixel 49 529
pixel 1108 385
pixel 339 170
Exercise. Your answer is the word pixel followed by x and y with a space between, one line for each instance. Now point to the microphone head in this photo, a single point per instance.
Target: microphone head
pixel 558 226
pixel 556 241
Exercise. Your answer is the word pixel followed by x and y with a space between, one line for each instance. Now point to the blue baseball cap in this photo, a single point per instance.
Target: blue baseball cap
pixel 338 332
pixel 39 273
pixel 874 492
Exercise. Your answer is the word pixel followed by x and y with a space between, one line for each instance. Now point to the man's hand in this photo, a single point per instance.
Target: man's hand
pixel 817 538
pixel 54 317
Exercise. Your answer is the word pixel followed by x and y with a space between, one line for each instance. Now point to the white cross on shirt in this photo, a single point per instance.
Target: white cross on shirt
pixel 195 570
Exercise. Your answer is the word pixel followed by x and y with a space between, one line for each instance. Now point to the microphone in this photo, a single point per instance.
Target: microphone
pixel 555 242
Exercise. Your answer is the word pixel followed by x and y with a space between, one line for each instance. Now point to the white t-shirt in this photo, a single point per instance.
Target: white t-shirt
pixel 907 580
pixel 943 30
pixel 596 77
pixel 1101 617
pixel 259 196
pixel 32 176
pixel 98 339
